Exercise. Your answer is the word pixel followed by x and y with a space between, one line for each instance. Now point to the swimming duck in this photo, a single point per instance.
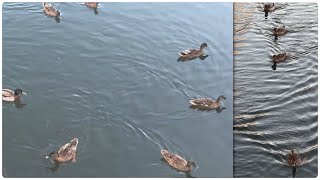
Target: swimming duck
pixel 277 59
pixel 193 53
pixel 50 10
pixel 293 160
pixel 66 153
pixel 279 31
pixel 177 161
pixel 91 4
pixel 10 96
pixel 207 103
pixel 268 8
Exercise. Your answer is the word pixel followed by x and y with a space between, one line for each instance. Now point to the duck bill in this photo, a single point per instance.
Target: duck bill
pixel 24 93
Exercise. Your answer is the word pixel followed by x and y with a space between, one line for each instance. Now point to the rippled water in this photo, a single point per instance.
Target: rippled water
pixel 113 81
pixel 275 111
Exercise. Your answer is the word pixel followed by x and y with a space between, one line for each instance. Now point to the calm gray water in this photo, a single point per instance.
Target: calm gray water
pixel 113 81
pixel 275 111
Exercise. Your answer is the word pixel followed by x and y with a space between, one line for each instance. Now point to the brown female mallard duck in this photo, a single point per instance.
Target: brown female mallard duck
pixel 293 160
pixel 50 10
pixel 193 53
pixel 177 161
pixel 268 7
pixel 207 103
pixel 91 4
pixel 11 96
pixel 279 31
pixel 278 59
pixel 66 153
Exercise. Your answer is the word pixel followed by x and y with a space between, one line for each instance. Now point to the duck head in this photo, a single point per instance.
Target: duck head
pixel 53 155
pixel 191 163
pixel 203 45
pixel 220 98
pixel 18 92
pixel 292 151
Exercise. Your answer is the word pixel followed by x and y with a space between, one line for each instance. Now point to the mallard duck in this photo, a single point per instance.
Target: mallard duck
pixel 66 153
pixel 91 4
pixel 279 31
pixel 207 103
pixel 177 161
pixel 10 96
pixel 268 8
pixel 50 10
pixel 278 59
pixel 293 160
pixel 193 53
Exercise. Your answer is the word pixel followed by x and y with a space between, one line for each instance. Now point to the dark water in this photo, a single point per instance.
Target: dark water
pixel 275 111
pixel 113 81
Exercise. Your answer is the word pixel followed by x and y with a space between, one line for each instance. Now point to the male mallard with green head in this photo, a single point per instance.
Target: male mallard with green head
pixel 193 53
pixel 279 31
pixel 278 59
pixel 50 10
pixel 268 7
pixel 11 96
pixel 177 161
pixel 207 103
pixel 66 153
pixel 293 160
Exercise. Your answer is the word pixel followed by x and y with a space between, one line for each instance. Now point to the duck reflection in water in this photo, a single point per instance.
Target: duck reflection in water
pixel 219 109
pixel 54 168
pixel 57 19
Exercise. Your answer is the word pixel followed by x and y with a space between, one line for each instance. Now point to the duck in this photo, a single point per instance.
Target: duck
pixel 269 7
pixel 66 153
pixel 278 59
pixel 50 10
pixel 91 4
pixel 293 160
pixel 279 31
pixel 12 96
pixel 207 103
pixel 177 161
pixel 193 53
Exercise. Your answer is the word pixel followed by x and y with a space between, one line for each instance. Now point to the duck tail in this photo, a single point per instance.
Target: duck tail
pixel 192 102
pixel 44 4
pixel 74 142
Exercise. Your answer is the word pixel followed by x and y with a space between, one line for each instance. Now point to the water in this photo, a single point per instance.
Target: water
pixel 113 81
pixel 275 111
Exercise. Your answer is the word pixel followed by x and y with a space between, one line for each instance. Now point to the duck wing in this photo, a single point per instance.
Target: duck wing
pixel 48 7
pixel 188 52
pixel 294 159
pixel 7 93
pixel 174 160
pixel 201 102
pixel 69 149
